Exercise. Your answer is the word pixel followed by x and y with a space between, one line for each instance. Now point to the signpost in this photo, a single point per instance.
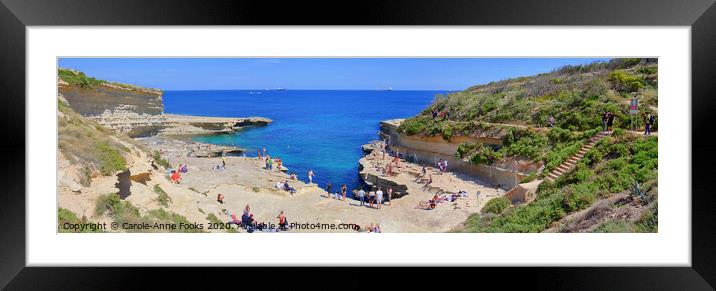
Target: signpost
pixel 634 110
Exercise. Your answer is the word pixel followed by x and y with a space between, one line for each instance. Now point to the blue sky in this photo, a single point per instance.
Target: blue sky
pixel 313 73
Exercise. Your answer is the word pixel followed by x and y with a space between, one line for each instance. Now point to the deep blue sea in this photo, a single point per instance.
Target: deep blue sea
pixel 321 130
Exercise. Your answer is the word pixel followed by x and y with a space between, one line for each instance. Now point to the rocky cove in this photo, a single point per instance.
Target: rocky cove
pixel 138 113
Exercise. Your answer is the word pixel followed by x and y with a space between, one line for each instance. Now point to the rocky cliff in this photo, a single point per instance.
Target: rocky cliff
pixel 96 99
pixel 136 111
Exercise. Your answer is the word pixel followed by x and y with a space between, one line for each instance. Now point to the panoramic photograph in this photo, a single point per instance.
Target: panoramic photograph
pixel 357 145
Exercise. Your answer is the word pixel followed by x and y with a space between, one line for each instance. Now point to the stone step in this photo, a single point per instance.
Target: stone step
pixel 553 176
pixel 564 167
pixel 579 156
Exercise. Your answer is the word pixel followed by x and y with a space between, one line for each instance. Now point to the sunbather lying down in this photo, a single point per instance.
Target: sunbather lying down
pixel 426 205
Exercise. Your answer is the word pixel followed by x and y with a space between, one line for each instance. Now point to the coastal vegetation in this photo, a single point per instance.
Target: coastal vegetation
pixel 163 198
pixel 157 157
pixel 125 213
pixel 94 146
pixel 65 217
pixel 518 111
pixel 496 205
pixel 77 78
pixel 574 95
pixel 614 166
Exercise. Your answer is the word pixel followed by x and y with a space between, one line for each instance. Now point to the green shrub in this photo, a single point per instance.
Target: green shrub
pixel 526 143
pixel 625 82
pixel 559 135
pixel 649 221
pixel 413 126
pixel 614 226
pixel 66 216
pixel 170 217
pixel 464 149
pixel 79 79
pixel 124 212
pixel 531 177
pixel 85 177
pixel 446 132
pixel 107 202
pixel 163 198
pixel 618 132
pixel 533 217
pixel 648 70
pixel 582 195
pixel 496 205
pixel 592 156
pixel 160 161
pixel 110 161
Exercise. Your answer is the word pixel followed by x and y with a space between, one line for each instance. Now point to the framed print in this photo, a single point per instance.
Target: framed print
pixel 166 137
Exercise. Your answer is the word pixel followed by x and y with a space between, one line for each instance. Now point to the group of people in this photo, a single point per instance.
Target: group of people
pixel 395 163
pixel 338 195
pixel 175 174
pixel 375 199
pixel 285 186
pixel 442 114
pixel 441 197
pixel 250 224
pixel 222 166
pixel 373 228
pixel 607 120
pixel 648 123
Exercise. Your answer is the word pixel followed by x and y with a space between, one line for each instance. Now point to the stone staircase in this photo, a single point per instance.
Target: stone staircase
pixel 569 164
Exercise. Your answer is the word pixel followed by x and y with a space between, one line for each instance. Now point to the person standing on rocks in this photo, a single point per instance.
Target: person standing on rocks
pixel 371 198
pixel 310 177
pixel 361 196
pixel 343 191
pixel 379 197
pixel 390 196
pixel 264 151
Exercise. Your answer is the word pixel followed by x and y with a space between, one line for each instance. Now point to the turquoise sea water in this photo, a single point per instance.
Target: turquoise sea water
pixel 321 130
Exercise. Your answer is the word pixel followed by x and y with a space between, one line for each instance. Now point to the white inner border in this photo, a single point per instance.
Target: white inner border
pixel 671 246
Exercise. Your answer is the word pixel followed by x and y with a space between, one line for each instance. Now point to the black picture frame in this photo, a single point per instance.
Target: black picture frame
pixel 16 15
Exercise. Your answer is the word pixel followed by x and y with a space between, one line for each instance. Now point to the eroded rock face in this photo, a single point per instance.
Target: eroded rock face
pixel 108 97
pixel 139 112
